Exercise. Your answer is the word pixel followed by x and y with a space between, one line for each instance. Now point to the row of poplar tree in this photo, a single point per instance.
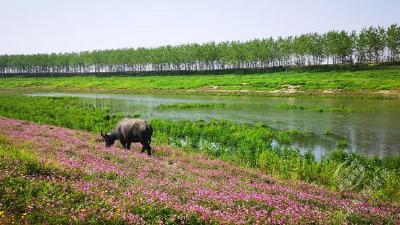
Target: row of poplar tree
pixel 370 45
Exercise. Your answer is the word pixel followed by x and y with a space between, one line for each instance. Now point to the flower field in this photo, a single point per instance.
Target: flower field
pixel 55 175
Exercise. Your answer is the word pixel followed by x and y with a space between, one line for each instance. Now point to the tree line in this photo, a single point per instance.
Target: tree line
pixel 370 45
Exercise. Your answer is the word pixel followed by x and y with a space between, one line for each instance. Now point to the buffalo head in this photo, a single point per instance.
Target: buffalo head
pixel 108 139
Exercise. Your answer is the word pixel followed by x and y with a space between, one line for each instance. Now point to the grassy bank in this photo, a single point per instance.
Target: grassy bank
pixel 243 144
pixel 326 83
pixel 53 180
pixel 319 108
pixel 192 106
pixel 54 175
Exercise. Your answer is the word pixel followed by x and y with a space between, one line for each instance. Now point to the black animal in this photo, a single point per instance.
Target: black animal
pixel 128 131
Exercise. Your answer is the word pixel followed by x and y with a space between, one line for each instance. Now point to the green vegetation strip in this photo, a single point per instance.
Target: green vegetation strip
pixel 192 106
pixel 319 108
pixel 243 144
pixel 308 82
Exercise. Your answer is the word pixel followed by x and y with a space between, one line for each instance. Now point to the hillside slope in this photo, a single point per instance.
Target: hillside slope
pixel 58 175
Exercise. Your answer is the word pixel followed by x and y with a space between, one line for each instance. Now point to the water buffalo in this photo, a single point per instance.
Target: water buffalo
pixel 128 131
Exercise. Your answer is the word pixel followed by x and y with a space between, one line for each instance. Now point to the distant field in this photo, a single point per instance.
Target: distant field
pixel 372 81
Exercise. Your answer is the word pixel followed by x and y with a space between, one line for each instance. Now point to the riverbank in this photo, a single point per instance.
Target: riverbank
pixel 253 145
pixel 376 83
pixel 59 175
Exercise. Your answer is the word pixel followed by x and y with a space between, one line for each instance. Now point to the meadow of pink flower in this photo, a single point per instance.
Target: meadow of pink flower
pixel 192 184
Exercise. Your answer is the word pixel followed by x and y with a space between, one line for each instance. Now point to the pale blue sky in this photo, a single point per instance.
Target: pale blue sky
pixel 31 26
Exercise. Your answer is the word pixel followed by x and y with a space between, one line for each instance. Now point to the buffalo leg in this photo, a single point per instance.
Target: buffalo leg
pixel 123 143
pixel 148 149
pixel 143 147
pixel 128 145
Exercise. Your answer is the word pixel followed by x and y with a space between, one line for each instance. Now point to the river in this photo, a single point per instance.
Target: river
pixel 373 128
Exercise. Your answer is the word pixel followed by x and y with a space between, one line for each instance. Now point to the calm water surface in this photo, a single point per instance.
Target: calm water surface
pixel 374 129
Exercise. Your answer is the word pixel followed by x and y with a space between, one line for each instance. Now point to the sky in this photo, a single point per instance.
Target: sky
pixel 44 26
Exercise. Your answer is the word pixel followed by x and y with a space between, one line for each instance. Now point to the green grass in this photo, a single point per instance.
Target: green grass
pixel 319 108
pixel 192 106
pixel 65 111
pixel 342 144
pixel 328 131
pixel 348 81
pixel 243 144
